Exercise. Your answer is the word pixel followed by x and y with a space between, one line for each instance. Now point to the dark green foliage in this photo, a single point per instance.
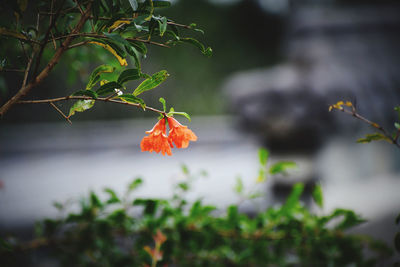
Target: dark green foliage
pixel 115 231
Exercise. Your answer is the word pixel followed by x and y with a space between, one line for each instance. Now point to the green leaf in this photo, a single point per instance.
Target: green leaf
pixel 150 83
pixel 397 125
pixel 185 169
pixel 95 75
pixel 293 198
pixel 89 93
pixel 128 75
pixel 373 137
pixel 108 88
pixel 180 113
pixel 94 200
pixel 139 46
pixel 200 46
pixel 162 100
pixel 239 187
pixel 318 196
pixel 113 196
pixel 134 4
pixel 132 99
pixel 184 186
pixel 150 205
pixel 135 184
pixel 161 3
pixel 117 38
pixel 281 166
pixel 131 49
pixel 350 219
pixel 80 106
pixel 263 155
pixel 112 47
pixel 162 25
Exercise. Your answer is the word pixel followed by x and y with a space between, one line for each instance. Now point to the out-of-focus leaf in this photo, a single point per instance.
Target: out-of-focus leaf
pixel 263 155
pixel 94 200
pixel 239 187
pixel 293 199
pixel 318 196
pixel 80 106
pixel 150 205
pixel 113 196
pixel 281 166
pixel 128 75
pixel 350 219
pixel 108 88
pixel 95 75
pixel 4 245
pixel 261 175
pixel 135 184
pixel 397 125
pixel 150 83
pixel 373 137
pixel 89 93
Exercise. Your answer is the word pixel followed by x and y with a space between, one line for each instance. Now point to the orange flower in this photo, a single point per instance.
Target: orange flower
pixel 179 134
pixel 157 140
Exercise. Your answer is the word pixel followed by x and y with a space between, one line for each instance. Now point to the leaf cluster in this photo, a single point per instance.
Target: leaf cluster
pixel 120 230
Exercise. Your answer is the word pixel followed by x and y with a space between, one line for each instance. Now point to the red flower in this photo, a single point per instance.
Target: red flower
pixel 157 140
pixel 179 134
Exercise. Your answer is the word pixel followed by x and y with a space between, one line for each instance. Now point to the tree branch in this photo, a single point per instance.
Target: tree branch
pixel 352 112
pixel 95 35
pixel 103 99
pixel 45 72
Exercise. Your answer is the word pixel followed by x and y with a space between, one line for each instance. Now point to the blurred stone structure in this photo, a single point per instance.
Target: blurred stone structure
pixel 332 53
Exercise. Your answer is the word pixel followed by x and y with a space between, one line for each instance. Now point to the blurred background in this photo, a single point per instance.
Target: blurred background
pixel 276 68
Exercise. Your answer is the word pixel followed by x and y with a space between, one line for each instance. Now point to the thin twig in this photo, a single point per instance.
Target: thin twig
pixel 45 72
pixel 11 70
pixel 59 111
pixel 95 35
pixel 46 37
pixel 105 99
pixel 373 124
pixel 27 69
pixel 77 44
pixel 23 49
pixel 79 7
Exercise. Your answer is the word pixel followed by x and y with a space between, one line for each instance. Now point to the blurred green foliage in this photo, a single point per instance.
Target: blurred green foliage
pixel 120 230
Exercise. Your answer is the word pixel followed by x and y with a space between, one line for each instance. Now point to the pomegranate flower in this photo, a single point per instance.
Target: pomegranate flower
pixel 179 134
pixel 157 139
